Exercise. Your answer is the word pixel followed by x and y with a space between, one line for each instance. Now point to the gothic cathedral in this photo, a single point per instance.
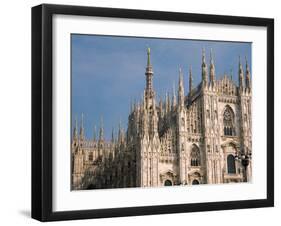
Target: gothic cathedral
pixel 191 139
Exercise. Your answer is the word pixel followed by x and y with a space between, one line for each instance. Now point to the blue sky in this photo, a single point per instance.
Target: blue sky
pixel 108 72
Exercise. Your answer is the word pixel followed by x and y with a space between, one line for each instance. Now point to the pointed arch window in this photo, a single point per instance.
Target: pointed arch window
pixel 228 122
pixel 231 168
pixel 195 156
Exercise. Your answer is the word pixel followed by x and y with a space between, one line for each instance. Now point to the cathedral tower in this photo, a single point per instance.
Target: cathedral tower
pixel 149 141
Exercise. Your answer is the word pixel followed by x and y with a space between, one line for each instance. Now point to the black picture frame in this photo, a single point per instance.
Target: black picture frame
pixel 42 108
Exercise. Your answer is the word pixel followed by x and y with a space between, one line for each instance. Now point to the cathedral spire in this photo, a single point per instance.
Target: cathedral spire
pixel 212 68
pixel 149 93
pixel 75 133
pixel 119 131
pixel 121 134
pixel 134 105
pixel 174 102
pixel 131 106
pixel 168 105
pixel 112 135
pixel 95 133
pixel 166 102
pixel 231 74
pixel 248 75
pixel 204 67
pixel 81 133
pixel 241 75
pixel 160 106
pixel 190 80
pixel 101 134
pixel 181 90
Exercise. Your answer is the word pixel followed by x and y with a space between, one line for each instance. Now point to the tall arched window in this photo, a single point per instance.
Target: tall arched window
pixel 195 156
pixel 90 156
pixel 231 164
pixel 228 122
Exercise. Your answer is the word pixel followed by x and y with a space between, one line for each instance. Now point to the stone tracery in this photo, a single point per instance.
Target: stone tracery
pixel 168 140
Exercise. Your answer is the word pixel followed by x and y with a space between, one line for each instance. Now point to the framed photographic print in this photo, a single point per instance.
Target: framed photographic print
pixel 145 112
